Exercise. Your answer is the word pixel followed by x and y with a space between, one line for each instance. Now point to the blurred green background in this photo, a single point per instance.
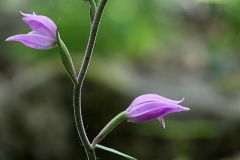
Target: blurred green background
pixel 175 48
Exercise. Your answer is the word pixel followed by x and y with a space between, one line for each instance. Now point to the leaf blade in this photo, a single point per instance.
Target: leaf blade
pixel 66 58
pixel 115 152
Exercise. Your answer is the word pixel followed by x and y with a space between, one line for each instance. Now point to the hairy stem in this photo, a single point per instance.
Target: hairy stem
pixel 78 88
pixel 94 4
pixel 109 127
pixel 93 8
pixel 91 41
pixel 79 123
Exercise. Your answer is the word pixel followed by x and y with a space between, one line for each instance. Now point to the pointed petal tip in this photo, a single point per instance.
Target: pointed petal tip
pixel 10 39
pixel 33 41
pixel 162 122
pixel 23 14
pixel 163 125
pixel 181 109
pixel 180 101
pixel 185 109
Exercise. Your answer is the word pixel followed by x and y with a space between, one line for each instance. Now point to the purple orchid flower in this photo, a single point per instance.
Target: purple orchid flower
pixel 151 106
pixel 43 34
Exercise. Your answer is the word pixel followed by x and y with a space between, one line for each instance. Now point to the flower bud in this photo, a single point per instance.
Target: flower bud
pixel 151 106
pixel 43 34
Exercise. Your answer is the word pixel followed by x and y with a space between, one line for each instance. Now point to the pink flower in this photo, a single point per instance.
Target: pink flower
pixel 151 106
pixel 43 34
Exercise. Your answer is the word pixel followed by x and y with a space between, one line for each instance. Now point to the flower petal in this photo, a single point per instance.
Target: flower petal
pixel 26 14
pixel 152 110
pixel 162 121
pixel 33 40
pixel 152 98
pixel 143 107
pixel 40 24
pixel 149 105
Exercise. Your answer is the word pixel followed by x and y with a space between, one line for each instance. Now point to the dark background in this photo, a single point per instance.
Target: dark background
pixel 175 48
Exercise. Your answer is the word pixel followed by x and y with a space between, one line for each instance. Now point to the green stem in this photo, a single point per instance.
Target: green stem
pixel 91 41
pixel 78 88
pixel 93 8
pixel 109 127
pixel 79 123
pixel 93 3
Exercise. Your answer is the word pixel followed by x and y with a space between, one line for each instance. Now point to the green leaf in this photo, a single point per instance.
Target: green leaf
pixel 115 152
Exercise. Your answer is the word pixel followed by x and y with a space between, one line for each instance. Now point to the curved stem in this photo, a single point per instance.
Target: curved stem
pixel 78 88
pixel 91 41
pixel 93 8
pixel 109 127
pixel 79 123
pixel 93 4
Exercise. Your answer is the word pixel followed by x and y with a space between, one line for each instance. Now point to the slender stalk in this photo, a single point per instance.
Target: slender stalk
pixel 93 4
pixel 93 8
pixel 79 123
pixel 91 40
pixel 109 127
pixel 78 88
